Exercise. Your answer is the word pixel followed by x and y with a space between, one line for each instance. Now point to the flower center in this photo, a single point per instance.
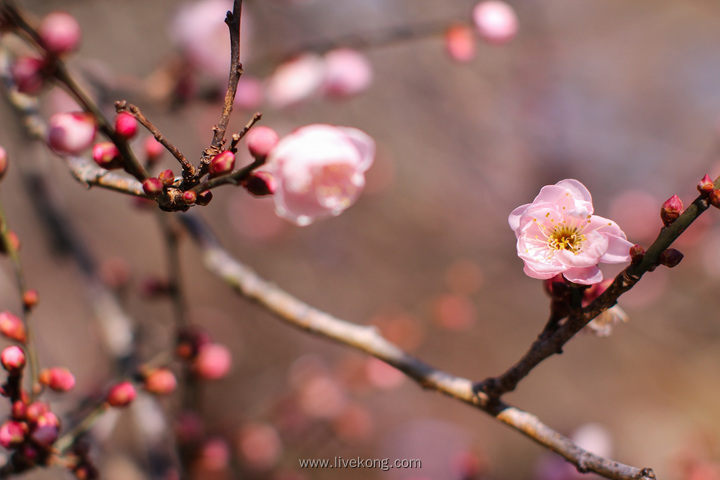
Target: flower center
pixel 566 238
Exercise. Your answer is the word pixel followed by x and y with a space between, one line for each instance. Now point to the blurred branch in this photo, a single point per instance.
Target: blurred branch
pixel 367 339
pixel 547 345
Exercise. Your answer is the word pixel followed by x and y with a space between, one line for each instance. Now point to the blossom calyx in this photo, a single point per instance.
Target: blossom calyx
pixel 705 186
pixel 671 210
pixel 558 234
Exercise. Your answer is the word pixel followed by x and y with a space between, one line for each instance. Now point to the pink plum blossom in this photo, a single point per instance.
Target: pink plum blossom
pixel 319 171
pixel 59 32
pixel 558 234
pixel 71 133
pixel 295 80
pixel 347 72
pixel 495 21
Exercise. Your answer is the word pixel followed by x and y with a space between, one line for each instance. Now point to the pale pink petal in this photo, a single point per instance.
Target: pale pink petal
pixel 618 250
pixel 584 276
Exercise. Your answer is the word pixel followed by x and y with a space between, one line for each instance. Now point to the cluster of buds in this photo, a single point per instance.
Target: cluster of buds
pixel 707 189
pixel 494 21
pixel 208 360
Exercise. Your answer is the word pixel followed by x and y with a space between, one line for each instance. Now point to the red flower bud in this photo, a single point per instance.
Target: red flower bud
pixel 13 359
pixel 670 257
pixel 222 163
pixel 153 150
pixel 152 186
pixel 212 362
pixel 260 183
pixel 260 140
pixel 705 186
pixel 107 155
pixel 30 299
pixel 160 381
pixel 121 394
pixel 125 125
pixel 714 198
pixel 13 240
pixel 27 73
pixel 57 378
pixel 18 410
pixel 12 327
pixel 167 177
pixel 45 430
pixel 59 33
pixel 189 197
pixel 36 410
pixel 637 253
pixel 12 434
pixel 670 210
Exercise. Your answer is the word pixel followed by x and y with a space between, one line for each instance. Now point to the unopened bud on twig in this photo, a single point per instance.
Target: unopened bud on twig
pixel 260 183
pixel 121 394
pixel 45 430
pixel 57 378
pixel 637 253
pixel 212 362
pixel 30 298
pixel 36 410
pixel 152 186
pixel 670 257
pixel 260 140
pixel 106 155
pixel 13 359
pixel 204 198
pixel 59 33
pixel 12 327
pixel 706 185
pixel 160 381
pixel 125 125
pixel 222 163
pixel 670 210
pixel 167 177
pixel 27 74
pixel 189 197
pixel 71 133
pixel 12 434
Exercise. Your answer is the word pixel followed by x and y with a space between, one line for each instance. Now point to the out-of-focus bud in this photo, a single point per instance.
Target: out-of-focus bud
pixel 167 177
pixel 152 186
pixel 18 411
pixel 189 197
pixel 204 198
pixel 637 253
pixel 295 80
pixel 59 379
pixel 36 410
pixel 153 287
pixel 45 430
pixel 222 163
pixel 260 183
pixel 3 162
pixel 212 362
pixel 13 359
pixel 12 327
pixel 125 125
pixel 250 93
pixel 260 140
pixel 12 434
pixel 705 186
pixel 59 33
pixel 27 73
pixel 30 298
pixel 671 210
pixel 714 198
pixel 347 72
pixel 160 381
pixel 153 150
pixel 107 155
pixel 86 471
pixel 670 257
pixel 460 43
pixel 71 133
pixel 121 394
pixel 190 340
pixel 495 21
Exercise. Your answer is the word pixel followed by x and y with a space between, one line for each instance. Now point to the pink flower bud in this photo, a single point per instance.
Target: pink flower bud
pixel 121 394
pixel 36 410
pixel 670 257
pixel 347 72
pixel 637 253
pixel 189 197
pixel 71 133
pixel 13 240
pixel 12 434
pixel 319 170
pixel 18 410
pixel 260 140
pixel 45 430
pixel 260 183
pixel 495 21
pixel 153 150
pixel 3 162
pixel 706 185
pixel 295 80
pixel 152 186
pixel 57 378
pixel 213 362
pixel 460 43
pixel 13 359
pixel 222 163
pixel 714 198
pixel 27 73
pixel 160 381
pixel 190 340
pixel 30 298
pixel 59 33
pixel 670 210
pixel 167 177
pixel 125 125
pixel 12 327
pixel 107 155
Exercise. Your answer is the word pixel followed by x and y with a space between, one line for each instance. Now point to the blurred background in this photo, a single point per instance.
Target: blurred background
pixel 623 96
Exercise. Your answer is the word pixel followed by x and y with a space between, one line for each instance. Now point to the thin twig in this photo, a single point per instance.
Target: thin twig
pixel 367 339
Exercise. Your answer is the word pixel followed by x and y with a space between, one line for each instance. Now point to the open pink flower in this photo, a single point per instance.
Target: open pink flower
pixel 558 234
pixel 319 171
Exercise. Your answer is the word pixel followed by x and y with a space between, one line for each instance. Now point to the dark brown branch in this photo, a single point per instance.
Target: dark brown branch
pixel 546 346
pixel 367 339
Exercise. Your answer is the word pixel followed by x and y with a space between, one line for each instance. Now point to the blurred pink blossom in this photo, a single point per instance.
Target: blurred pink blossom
pixel 460 43
pixel 319 170
pixel 347 72
pixel 558 233
pixel 295 80
pixel 495 21
pixel 59 32
pixel 71 132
